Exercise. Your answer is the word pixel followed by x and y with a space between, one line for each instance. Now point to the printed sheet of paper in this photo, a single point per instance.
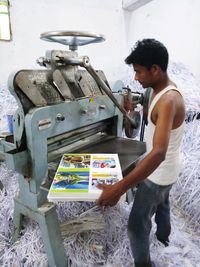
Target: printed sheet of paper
pixel 78 174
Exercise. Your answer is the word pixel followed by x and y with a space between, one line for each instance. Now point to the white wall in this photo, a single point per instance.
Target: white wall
pixel 176 23
pixel 30 18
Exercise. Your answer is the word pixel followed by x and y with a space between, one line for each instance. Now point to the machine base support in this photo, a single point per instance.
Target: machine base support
pixel 48 222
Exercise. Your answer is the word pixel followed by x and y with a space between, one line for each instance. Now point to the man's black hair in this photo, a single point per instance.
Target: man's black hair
pixel 148 52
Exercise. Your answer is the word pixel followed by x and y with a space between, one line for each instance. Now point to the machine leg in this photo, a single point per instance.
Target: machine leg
pixel 1 185
pixel 47 219
pixel 51 236
pixel 17 222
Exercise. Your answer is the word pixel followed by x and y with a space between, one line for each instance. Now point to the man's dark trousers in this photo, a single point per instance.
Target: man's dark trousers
pixel 150 199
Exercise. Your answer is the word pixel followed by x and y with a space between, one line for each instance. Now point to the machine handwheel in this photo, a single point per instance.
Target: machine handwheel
pixel 72 38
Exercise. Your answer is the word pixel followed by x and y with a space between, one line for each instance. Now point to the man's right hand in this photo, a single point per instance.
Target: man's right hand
pixel 128 104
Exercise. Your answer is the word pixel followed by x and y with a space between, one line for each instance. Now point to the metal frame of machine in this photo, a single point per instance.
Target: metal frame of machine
pixel 61 109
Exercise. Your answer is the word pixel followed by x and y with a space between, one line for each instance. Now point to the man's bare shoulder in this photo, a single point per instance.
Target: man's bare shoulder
pixel 172 104
pixel 171 97
pixel 171 94
pixel 166 100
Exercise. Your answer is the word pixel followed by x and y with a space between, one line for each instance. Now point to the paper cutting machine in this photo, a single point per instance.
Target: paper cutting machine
pixel 66 107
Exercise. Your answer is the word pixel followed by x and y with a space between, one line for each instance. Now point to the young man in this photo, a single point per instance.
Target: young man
pixel 160 167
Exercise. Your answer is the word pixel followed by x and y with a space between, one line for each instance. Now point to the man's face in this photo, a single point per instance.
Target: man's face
pixel 144 75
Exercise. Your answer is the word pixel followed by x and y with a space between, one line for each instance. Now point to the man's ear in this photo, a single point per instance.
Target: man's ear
pixel 155 69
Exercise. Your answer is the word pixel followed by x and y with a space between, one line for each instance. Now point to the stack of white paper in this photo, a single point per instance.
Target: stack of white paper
pixel 78 174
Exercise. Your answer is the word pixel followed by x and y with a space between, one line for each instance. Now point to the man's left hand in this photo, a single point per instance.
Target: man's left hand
pixel 110 195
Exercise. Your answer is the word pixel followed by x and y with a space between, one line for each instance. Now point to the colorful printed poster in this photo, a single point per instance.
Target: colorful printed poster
pixel 78 175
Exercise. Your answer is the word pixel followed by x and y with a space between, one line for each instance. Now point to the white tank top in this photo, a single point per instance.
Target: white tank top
pixel 167 172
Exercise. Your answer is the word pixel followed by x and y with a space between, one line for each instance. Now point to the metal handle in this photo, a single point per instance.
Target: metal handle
pixel 86 64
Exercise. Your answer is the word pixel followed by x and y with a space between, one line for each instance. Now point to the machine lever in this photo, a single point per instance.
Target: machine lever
pixel 86 64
